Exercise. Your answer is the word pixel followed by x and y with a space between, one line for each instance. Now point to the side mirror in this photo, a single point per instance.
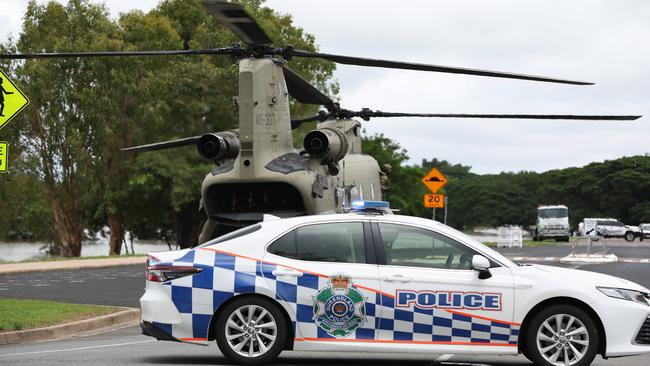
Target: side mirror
pixel 481 265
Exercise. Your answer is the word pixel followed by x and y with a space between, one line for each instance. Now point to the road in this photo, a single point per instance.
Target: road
pixel 127 347
pixel 621 249
pixel 120 286
pixel 124 285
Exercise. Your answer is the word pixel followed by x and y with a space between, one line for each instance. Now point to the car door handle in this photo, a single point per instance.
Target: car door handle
pixel 286 272
pixel 397 278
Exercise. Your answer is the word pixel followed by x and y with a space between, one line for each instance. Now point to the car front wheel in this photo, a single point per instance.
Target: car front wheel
pixel 251 331
pixel 629 236
pixel 562 335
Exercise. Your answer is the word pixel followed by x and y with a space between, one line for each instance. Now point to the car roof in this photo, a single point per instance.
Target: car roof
pixel 551 206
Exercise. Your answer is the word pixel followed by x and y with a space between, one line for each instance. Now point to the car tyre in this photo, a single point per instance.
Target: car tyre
pixel 549 344
pixel 629 236
pixel 251 331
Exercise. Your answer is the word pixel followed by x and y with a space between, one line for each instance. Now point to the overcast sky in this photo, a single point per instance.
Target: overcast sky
pixel 606 42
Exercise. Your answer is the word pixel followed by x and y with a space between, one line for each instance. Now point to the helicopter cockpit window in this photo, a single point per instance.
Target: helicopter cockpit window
pixel 233 235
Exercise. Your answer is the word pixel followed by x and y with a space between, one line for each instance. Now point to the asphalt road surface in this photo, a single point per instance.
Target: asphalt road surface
pixel 128 347
pixel 120 286
pixel 621 248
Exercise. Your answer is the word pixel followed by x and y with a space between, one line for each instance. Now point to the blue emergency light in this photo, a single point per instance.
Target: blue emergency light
pixel 364 205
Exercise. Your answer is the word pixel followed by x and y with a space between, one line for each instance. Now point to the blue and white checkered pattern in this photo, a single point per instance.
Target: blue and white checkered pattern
pixel 224 276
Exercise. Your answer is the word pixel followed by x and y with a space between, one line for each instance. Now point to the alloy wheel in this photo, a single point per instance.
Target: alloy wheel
pixel 251 330
pixel 562 340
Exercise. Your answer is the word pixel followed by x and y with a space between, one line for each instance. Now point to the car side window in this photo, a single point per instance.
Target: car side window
pixel 285 246
pixel 332 242
pixel 416 247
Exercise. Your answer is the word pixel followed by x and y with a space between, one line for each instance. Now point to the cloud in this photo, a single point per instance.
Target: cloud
pixel 601 41
pixel 607 42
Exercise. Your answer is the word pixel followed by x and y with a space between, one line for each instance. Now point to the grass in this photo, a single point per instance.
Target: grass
pixel 54 259
pixel 18 314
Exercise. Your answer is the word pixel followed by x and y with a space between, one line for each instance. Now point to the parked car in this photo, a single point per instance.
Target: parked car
pixel 370 282
pixel 617 229
pixel 645 228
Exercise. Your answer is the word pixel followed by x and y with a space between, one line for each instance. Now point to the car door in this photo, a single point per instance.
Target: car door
pixel 619 229
pixel 434 297
pixel 328 275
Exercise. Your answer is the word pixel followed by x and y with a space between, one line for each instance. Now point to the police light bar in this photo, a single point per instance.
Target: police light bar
pixel 364 205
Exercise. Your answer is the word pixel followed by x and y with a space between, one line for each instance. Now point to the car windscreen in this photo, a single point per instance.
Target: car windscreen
pixel 548 213
pixel 233 235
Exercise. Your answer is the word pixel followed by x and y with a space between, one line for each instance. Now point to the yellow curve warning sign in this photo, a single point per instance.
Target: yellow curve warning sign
pixel 12 100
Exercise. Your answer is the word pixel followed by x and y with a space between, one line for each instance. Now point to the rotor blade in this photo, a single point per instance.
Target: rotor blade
pixel 213 51
pixel 234 17
pixel 360 61
pixel 163 145
pixel 320 117
pixel 304 92
pixel 366 114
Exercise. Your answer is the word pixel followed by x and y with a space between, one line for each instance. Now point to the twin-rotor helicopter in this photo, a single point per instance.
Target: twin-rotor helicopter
pixel 258 171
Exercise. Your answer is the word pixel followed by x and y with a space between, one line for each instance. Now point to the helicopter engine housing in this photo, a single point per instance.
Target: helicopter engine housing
pixel 327 143
pixel 218 146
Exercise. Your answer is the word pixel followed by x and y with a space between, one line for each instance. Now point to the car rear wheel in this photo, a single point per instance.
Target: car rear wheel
pixel 562 335
pixel 251 331
pixel 629 236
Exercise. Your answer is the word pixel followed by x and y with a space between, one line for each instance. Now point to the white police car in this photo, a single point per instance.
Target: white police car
pixel 384 283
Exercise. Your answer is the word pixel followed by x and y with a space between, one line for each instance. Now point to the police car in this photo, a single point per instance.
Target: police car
pixel 376 282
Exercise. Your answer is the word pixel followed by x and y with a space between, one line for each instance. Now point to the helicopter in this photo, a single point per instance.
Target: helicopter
pixel 257 169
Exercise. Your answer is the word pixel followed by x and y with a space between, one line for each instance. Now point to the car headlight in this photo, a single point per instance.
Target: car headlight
pixel 621 293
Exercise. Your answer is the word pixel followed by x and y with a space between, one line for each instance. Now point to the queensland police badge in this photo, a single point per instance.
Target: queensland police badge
pixel 339 308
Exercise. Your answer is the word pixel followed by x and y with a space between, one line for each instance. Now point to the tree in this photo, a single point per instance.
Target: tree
pixel 405 180
pixel 54 128
pixel 120 96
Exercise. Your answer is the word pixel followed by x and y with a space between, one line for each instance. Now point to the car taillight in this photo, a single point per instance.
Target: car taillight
pixel 164 273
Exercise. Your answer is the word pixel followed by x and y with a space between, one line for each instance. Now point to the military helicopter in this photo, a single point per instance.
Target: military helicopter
pixel 258 171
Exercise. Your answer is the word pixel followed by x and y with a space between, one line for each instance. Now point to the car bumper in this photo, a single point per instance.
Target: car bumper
pixel 622 321
pixel 163 320
pixel 559 233
pixel 151 330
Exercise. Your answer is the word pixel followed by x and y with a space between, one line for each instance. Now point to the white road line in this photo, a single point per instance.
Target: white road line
pixel 444 357
pixel 76 349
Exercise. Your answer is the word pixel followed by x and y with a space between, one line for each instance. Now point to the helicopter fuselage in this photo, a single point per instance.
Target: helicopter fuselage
pixel 269 175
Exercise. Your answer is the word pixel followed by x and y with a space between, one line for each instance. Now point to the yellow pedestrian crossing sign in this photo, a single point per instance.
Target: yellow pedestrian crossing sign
pixel 12 100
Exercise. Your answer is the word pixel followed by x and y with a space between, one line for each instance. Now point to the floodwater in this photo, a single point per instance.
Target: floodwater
pixel 19 251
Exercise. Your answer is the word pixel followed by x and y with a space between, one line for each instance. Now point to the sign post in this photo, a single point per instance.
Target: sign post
pixel 3 156
pixel 434 180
